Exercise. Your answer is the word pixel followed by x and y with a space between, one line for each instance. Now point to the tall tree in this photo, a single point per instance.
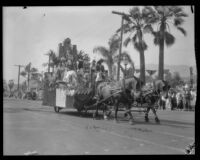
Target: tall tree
pixel 54 60
pixel 11 85
pixel 28 71
pixel 164 15
pixel 109 53
pixel 136 24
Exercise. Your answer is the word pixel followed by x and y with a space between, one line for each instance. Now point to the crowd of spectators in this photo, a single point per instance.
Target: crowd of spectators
pixel 181 98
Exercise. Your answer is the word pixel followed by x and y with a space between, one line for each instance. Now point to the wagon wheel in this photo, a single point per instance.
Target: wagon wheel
pixel 56 109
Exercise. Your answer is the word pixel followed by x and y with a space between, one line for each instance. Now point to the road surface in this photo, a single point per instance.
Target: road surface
pixel 29 126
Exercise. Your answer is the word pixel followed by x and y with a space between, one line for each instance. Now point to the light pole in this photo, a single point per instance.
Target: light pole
pixel 125 61
pixel 19 75
pixel 123 16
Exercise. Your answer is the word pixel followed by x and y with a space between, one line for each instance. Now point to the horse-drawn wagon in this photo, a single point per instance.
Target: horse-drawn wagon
pixel 106 96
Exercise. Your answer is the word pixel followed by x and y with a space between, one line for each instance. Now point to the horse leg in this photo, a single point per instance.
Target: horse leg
pixel 146 114
pixel 156 117
pixel 131 116
pixel 104 112
pixel 116 110
pixel 95 114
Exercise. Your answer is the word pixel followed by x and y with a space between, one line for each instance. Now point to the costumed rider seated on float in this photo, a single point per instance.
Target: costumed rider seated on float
pixel 100 74
pixel 60 69
pixel 80 75
pixel 70 77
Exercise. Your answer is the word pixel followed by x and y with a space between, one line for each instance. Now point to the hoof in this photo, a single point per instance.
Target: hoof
pixel 94 116
pixel 116 121
pixel 146 119
pixel 125 114
pixel 105 118
pixel 157 120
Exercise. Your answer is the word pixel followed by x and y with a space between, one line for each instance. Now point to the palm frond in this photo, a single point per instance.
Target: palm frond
pixel 23 73
pixel 139 46
pixel 149 15
pixel 34 69
pixel 28 67
pixel 144 45
pixel 178 21
pixel 168 27
pixel 159 9
pixel 114 43
pixel 126 28
pixel 182 30
pixel 135 12
pixel 182 14
pixel 148 28
pixel 134 39
pixel 169 39
pixel 156 37
pixel 148 9
pixel 127 41
pixel 152 20
pixel 118 30
pixel 176 9
pixel 101 50
pixel 126 18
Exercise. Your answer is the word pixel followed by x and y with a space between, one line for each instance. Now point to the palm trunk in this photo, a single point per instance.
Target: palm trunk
pixel 142 66
pixel 142 59
pixel 161 54
pixel 110 71
pixel 28 80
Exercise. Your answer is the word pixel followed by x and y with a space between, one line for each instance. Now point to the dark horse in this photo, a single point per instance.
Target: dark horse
pixel 114 93
pixel 151 96
pixel 127 91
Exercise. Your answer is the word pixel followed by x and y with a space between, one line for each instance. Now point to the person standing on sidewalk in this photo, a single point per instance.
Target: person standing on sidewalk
pixel 187 98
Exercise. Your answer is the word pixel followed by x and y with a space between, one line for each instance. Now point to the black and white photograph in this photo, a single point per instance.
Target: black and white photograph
pixel 99 80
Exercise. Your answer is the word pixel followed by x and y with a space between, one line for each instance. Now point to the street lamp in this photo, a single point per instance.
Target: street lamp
pixel 125 61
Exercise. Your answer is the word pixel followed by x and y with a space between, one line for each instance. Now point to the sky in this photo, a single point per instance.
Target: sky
pixel 28 34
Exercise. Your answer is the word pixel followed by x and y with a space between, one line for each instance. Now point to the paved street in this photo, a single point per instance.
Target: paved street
pixel 29 126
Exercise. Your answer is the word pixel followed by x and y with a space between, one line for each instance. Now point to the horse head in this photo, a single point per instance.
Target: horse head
pixel 133 84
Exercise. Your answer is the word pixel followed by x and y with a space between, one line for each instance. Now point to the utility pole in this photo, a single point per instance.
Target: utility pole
pixel 18 75
pixel 121 38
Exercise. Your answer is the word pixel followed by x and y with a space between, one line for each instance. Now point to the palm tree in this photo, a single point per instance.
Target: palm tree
pixel 164 15
pixel 136 24
pixel 109 53
pixel 11 85
pixel 53 58
pixel 28 71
